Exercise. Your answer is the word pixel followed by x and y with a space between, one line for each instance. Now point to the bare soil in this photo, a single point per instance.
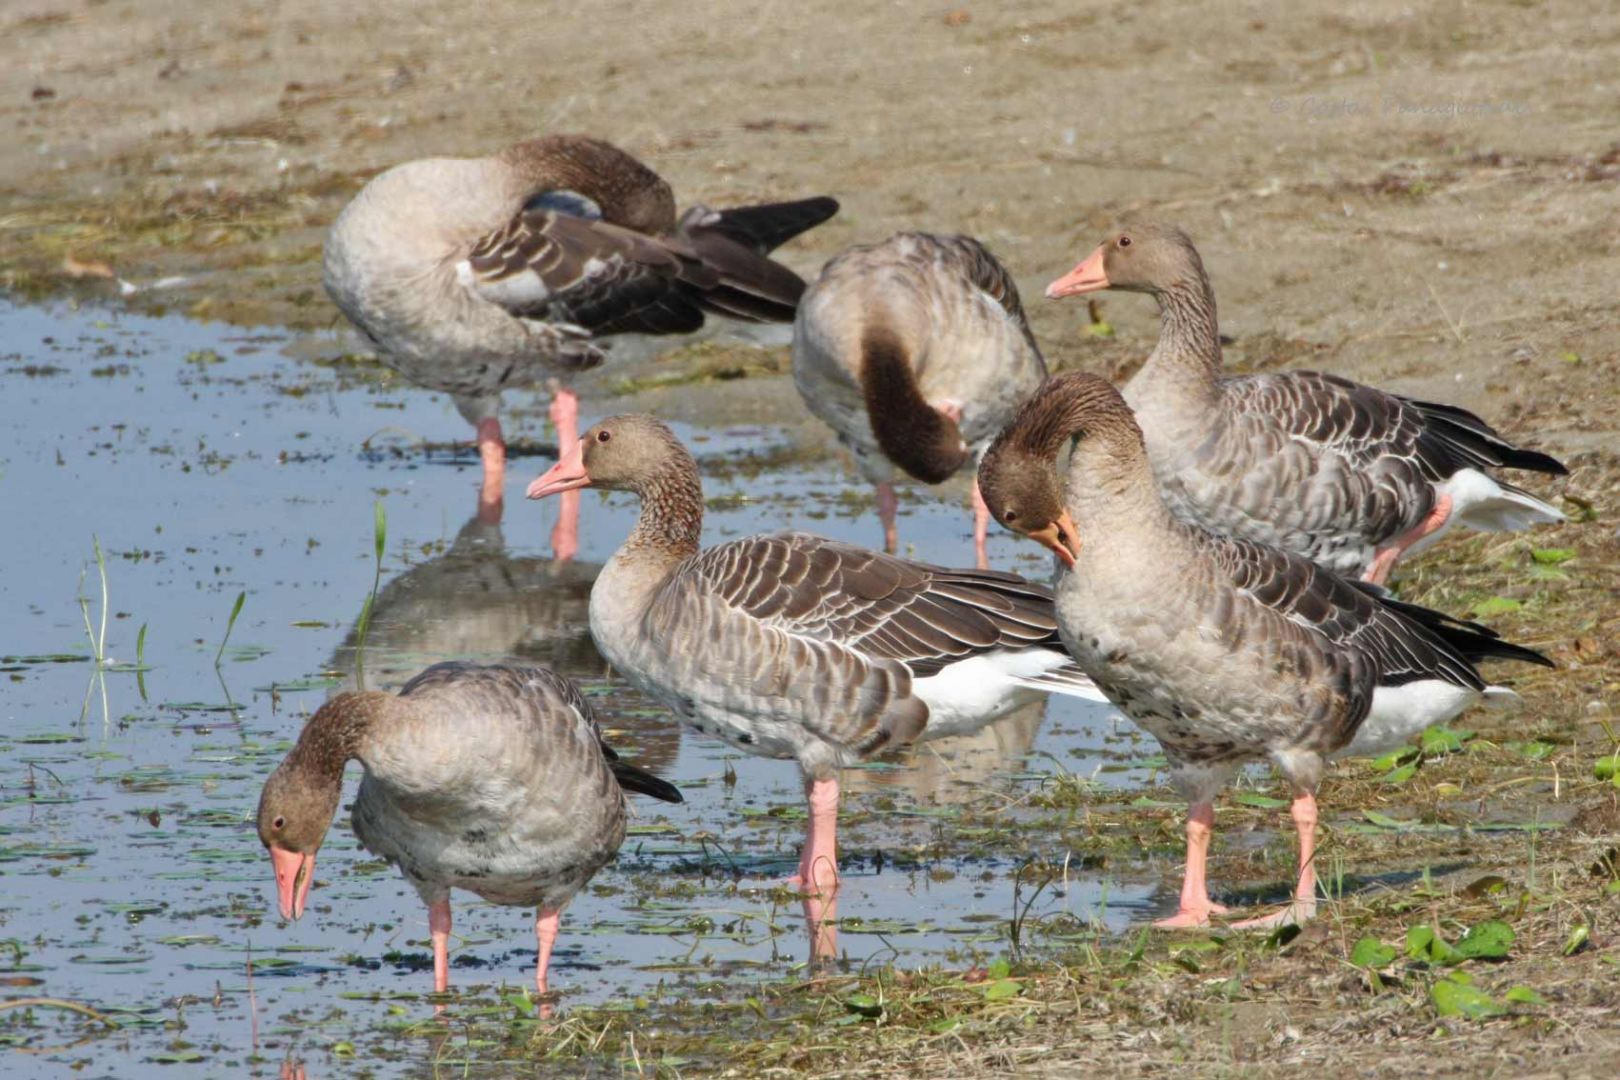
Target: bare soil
pixel 1420 196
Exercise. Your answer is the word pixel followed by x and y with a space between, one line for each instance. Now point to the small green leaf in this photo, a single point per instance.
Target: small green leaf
pixel 343 1049
pixel 1455 999
pixel 1535 750
pixel 236 609
pixel 1552 556
pixel 1369 952
pixel 1496 605
pixel 1423 944
pixel 1607 767
pixel 1438 741
pixel 1489 940
pixel 999 968
pixel 1577 940
pixel 948 1024
pixel 1264 802
pixel 864 1005
pixel 1001 990
pixel 1139 949
pixel 1384 821
pixel 1523 995
pixel 1401 775
pixel 1394 758
pixel 379 529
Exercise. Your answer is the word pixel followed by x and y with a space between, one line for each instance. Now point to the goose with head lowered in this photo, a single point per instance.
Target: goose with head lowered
pixel 1225 650
pixel 916 352
pixel 493 779
pixel 474 275
pixel 1344 474
pixel 800 647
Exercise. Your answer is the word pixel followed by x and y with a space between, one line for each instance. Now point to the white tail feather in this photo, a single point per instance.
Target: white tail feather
pixel 1067 681
pixel 1482 502
pixel 1501 699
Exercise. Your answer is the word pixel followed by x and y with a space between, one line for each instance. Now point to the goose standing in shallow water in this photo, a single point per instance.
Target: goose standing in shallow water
pixel 1225 650
pixel 471 275
pixel 490 779
pixel 1346 475
pixel 796 646
pixel 916 352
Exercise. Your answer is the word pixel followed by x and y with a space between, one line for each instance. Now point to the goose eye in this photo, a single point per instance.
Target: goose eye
pixel 1124 241
pixel 279 824
pixel 603 436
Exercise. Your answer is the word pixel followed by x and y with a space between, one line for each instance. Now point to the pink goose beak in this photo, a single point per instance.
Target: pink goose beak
pixel 1088 277
pixel 567 475
pixel 294 873
pixel 1062 537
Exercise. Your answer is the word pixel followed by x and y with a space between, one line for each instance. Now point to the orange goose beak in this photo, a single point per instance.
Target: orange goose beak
pixel 294 873
pixel 1062 537
pixel 1088 277
pixel 567 475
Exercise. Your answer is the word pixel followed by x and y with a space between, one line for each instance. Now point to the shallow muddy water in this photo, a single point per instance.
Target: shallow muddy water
pixel 211 463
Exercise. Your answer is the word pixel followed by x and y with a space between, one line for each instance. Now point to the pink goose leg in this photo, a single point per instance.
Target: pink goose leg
pixel 818 868
pixel 565 418
pixel 1385 558
pixel 888 505
pixel 1303 906
pixel 546 924
pixel 492 449
pixel 439 931
pixel 981 527
pixel 1196 906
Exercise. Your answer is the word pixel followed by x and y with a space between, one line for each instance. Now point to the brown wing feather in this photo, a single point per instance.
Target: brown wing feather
pixel 607 279
pixel 831 636
pixel 919 615
pixel 1397 647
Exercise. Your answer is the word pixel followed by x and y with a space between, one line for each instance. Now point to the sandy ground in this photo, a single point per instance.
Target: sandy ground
pixel 1423 196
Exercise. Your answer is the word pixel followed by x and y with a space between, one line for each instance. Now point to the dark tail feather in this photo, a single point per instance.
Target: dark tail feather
pixel 735 244
pixel 1470 441
pixel 766 227
pixel 741 304
pixel 643 782
pixel 1480 647
pixel 1475 642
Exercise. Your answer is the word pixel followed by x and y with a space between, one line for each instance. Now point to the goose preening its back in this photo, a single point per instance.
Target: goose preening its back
pixel 796 646
pixel 471 275
pixel 1225 650
pixel 916 352
pixel 490 779
pixel 1343 474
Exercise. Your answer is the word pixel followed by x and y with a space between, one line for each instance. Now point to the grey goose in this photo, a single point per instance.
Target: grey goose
pixel 493 779
pixel 916 352
pixel 1344 474
pixel 1225 650
pixel 472 275
pixel 799 647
